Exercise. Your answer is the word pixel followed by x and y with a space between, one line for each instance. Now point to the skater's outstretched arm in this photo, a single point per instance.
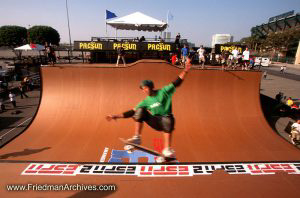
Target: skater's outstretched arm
pixel 131 112
pixel 182 75
pixel 126 114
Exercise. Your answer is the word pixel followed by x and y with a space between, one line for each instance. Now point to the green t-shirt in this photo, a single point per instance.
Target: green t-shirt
pixel 161 103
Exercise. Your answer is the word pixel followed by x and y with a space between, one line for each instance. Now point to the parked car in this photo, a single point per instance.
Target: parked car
pixel 262 61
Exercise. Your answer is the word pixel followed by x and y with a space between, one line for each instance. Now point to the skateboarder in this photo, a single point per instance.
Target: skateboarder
pixel 155 110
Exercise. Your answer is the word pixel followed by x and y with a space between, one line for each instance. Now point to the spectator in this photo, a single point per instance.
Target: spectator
pixel 26 82
pixel 265 74
pixel 50 53
pixel 246 58
pixel 184 54
pixel 177 40
pixel 12 98
pixel 30 84
pixel 22 90
pixel 294 106
pixel 295 132
pixel 142 39
pixel 2 106
pixel 230 60
pixel 225 58
pixel 174 59
pixel 235 57
pixel 282 69
pixel 121 54
pixel 201 52
pixel 279 97
pixel 289 102
pixel 251 65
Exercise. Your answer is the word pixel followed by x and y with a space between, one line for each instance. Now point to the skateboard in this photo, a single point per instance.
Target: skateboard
pixel 129 147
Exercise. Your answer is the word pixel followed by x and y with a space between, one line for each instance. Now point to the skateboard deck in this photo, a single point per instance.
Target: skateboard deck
pixel 148 150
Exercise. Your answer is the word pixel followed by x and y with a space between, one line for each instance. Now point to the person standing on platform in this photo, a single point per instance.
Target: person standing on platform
pixel 177 40
pixel 50 53
pixel 121 54
pixel 201 52
pixel 184 54
pixel 235 58
pixel 246 58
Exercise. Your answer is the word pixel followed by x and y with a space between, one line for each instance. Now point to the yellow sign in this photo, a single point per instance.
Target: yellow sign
pixel 159 47
pixel 90 46
pixel 126 46
pixel 231 48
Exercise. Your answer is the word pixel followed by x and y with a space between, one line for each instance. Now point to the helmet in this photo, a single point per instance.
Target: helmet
pixel 147 83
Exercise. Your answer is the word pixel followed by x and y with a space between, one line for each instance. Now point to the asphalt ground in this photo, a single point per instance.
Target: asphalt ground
pixel 13 121
pixel 290 73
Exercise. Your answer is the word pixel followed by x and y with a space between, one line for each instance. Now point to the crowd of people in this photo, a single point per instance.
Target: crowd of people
pixel 290 107
pixel 24 86
pixel 228 59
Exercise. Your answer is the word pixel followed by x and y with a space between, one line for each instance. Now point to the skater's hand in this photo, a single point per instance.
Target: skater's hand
pixel 111 117
pixel 187 66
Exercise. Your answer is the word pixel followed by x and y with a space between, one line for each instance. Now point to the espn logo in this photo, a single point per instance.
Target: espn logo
pixel 51 169
pixel 270 168
pixel 164 171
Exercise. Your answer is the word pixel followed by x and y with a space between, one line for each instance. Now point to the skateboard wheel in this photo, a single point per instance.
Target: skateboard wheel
pixel 160 159
pixel 128 148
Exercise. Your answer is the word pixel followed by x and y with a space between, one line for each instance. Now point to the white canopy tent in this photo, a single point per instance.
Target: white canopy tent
pixel 30 49
pixel 34 47
pixel 138 21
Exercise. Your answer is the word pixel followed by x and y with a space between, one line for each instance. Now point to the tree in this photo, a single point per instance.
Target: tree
pixel 42 34
pixel 234 43
pixel 13 36
pixel 252 42
pixel 282 41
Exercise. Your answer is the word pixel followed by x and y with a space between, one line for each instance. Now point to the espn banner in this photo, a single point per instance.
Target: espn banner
pixel 174 170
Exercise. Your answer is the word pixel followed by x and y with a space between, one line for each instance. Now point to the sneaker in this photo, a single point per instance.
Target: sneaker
pixel 168 152
pixel 293 142
pixel 135 140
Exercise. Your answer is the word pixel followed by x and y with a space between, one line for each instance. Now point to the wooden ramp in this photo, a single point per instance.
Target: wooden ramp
pixel 218 121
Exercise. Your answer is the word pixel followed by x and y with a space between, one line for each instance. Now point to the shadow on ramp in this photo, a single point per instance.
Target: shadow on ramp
pixel 23 153
pixel 92 194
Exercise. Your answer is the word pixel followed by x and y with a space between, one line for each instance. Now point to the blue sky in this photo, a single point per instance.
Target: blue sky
pixel 196 20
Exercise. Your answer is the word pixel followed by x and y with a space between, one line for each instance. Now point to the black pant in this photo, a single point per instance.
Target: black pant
pixel 23 93
pixel 14 103
pixel 164 123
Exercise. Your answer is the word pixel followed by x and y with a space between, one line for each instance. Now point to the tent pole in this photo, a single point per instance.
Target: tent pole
pixel 106 29
pixel 116 33
pixel 168 20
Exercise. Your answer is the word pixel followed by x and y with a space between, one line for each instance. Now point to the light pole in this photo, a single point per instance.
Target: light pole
pixel 69 26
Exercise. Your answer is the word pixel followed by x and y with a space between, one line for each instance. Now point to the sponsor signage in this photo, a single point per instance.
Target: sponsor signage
pixel 157 170
pixel 132 46
pixel 281 16
pixel 219 48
